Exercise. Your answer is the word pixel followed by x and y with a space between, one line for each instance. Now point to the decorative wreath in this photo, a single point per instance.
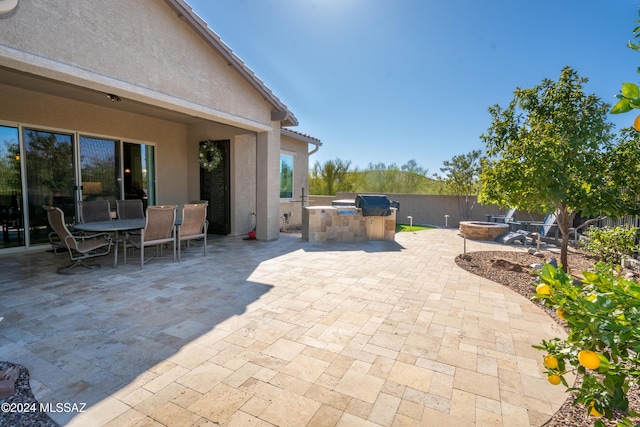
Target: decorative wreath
pixel 210 155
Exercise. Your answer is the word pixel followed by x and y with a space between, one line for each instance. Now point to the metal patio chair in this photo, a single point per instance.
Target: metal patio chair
pixel 159 230
pixel 129 209
pixel 194 225
pixel 80 247
pixel 95 211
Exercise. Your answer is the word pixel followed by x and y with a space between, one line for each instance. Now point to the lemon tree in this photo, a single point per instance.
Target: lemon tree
pixel 602 314
pixel 547 151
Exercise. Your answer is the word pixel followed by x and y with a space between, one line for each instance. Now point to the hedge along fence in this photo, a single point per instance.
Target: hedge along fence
pixel 430 209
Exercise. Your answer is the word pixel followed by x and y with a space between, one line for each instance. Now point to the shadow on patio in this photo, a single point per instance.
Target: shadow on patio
pixel 86 336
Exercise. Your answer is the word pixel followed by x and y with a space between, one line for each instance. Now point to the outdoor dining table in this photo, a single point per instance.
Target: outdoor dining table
pixel 114 226
pixel 117 225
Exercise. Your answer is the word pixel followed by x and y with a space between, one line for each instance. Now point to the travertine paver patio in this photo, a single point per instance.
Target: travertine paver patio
pixel 282 333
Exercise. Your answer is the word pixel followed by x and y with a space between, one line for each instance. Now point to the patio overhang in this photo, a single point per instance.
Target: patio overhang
pixel 52 78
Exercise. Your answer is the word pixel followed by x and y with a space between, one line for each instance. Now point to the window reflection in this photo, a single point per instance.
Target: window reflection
pixel 50 181
pixel 286 176
pixel 139 172
pixel 11 219
pixel 99 165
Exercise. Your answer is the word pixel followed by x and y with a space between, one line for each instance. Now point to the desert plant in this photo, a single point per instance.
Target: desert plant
pixel 603 317
pixel 610 244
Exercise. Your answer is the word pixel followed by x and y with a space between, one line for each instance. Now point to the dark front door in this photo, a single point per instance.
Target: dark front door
pixel 214 187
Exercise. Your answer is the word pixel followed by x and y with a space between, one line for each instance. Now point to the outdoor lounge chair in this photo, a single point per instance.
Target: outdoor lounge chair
pixel 512 237
pixel 545 231
pixel 80 247
pixel 194 225
pixel 159 230
pixel 508 217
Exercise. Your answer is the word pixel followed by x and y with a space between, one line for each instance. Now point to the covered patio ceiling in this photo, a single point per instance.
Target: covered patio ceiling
pixel 47 86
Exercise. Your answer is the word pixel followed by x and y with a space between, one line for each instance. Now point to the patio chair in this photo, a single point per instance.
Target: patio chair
pixel 546 231
pixel 129 209
pixel 80 247
pixel 159 230
pixel 508 217
pixel 194 226
pixel 95 211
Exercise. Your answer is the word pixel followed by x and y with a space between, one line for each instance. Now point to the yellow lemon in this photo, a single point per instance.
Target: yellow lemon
pixel 593 411
pixel 550 361
pixel 554 379
pixel 589 359
pixel 636 124
pixel 543 288
pixel 560 313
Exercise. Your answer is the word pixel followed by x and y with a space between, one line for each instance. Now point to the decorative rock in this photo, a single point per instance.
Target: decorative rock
pixel 553 262
pixel 538 254
pixel 8 378
pixel 506 265
pixel 532 251
pixel 536 266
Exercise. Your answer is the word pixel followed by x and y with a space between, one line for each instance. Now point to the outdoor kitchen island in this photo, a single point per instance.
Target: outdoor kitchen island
pixel 366 218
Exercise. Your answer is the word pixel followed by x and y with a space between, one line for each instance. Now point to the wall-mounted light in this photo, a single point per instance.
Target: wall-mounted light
pixel 127 170
pixel 18 157
pixel 113 98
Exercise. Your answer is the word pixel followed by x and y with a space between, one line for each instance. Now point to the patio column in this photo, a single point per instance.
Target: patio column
pixel 268 184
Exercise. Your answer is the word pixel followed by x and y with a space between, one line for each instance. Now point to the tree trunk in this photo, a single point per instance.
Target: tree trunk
pixel 565 217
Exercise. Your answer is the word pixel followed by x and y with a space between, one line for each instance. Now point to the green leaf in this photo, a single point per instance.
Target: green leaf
pixel 630 90
pixel 622 106
pixel 591 277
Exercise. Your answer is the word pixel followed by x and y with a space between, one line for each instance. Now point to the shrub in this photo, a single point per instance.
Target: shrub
pixel 611 243
pixel 603 317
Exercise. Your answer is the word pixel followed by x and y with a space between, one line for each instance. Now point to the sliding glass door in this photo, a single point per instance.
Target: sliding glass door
pixel 56 168
pixel 100 169
pixel 50 179
pixel 11 219
pixel 139 172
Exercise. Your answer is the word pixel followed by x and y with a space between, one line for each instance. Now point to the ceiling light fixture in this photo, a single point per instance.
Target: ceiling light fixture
pixel 113 98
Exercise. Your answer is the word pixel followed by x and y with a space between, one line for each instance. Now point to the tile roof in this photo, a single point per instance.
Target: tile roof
pixel 301 136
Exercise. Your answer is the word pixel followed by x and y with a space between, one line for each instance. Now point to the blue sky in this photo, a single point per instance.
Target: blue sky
pixel 393 80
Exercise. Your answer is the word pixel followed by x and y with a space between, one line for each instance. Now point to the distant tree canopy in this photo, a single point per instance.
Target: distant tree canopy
pixel 462 173
pixel 336 176
pixel 330 177
pixel 461 176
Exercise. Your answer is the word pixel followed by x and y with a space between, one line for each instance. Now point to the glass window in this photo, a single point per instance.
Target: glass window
pixel 139 172
pixel 99 165
pixel 11 219
pixel 286 176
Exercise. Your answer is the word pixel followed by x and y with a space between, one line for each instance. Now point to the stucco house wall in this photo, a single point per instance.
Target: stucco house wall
pixel 178 85
pixel 143 45
pixel 292 208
